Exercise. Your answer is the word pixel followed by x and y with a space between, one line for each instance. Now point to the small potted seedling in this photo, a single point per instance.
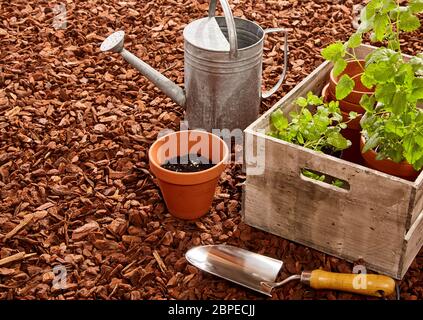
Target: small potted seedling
pixel 188 165
pixel 316 125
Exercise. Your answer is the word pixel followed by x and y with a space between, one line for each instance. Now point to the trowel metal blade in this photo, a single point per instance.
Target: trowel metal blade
pixel 241 266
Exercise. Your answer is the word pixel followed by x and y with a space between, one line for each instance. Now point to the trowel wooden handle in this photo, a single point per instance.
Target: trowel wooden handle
pixel 366 284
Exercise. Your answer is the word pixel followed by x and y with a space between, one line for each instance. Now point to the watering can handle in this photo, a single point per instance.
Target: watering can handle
pixel 230 22
pixel 267 94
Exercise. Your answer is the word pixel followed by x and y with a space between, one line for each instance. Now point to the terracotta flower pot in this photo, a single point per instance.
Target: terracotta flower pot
pixel 188 195
pixel 354 69
pixel 352 133
pixel 402 170
pixel 353 153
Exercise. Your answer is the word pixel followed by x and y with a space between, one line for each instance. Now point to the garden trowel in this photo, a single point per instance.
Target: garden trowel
pixel 259 272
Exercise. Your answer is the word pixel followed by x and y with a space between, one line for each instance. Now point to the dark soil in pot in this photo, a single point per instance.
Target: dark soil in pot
pixel 188 163
pixel 333 153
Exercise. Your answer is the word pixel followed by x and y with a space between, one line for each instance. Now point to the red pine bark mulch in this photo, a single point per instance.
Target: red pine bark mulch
pixel 75 127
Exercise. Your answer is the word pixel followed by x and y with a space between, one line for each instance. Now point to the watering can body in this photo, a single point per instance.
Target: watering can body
pixel 223 82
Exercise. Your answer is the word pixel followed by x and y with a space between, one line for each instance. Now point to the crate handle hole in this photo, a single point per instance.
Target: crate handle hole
pixel 324 180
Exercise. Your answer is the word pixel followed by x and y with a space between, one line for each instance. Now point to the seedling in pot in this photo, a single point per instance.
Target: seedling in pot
pixel 319 131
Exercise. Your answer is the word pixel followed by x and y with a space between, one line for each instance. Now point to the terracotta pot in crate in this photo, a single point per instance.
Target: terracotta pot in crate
pixel 403 169
pixel 354 69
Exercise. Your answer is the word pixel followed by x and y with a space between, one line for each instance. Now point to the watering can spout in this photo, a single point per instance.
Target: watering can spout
pixel 114 43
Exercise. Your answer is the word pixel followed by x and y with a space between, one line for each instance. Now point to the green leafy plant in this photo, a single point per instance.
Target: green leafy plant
pixel 395 136
pixel 384 20
pixel 398 85
pixel 319 131
pixel 393 123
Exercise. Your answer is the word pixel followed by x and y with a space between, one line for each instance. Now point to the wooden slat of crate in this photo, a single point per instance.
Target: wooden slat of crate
pixel 416 205
pixel 368 222
pixel 345 224
pixel 413 241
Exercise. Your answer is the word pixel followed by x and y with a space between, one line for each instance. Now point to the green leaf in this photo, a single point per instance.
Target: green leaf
pixel 395 13
pixel 313 100
pixel 354 41
pixel 344 87
pixel 418 164
pixel 412 151
pixel 301 101
pixel 337 117
pixel 372 7
pixel 388 5
pixel 399 102
pixel 278 120
pixel 338 183
pixel 405 75
pixel 334 51
pixel 380 25
pixel 382 55
pixel 313 175
pixel 416 6
pixel 408 144
pixel 417 93
pixel 371 143
pixel 418 83
pixel 365 26
pixel 333 107
pixel 300 138
pixel 419 139
pixel 307 115
pixel 408 22
pixel 337 140
pixel 367 102
pixel 352 115
pixel 394 126
pixel 367 81
pixel 394 44
pixel 385 92
pixel 380 72
pixel 339 66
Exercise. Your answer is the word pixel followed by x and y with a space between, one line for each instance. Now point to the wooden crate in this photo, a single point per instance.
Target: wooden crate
pixel 379 219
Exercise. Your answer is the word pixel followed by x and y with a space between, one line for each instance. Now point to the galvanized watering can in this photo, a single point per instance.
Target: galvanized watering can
pixel 223 70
